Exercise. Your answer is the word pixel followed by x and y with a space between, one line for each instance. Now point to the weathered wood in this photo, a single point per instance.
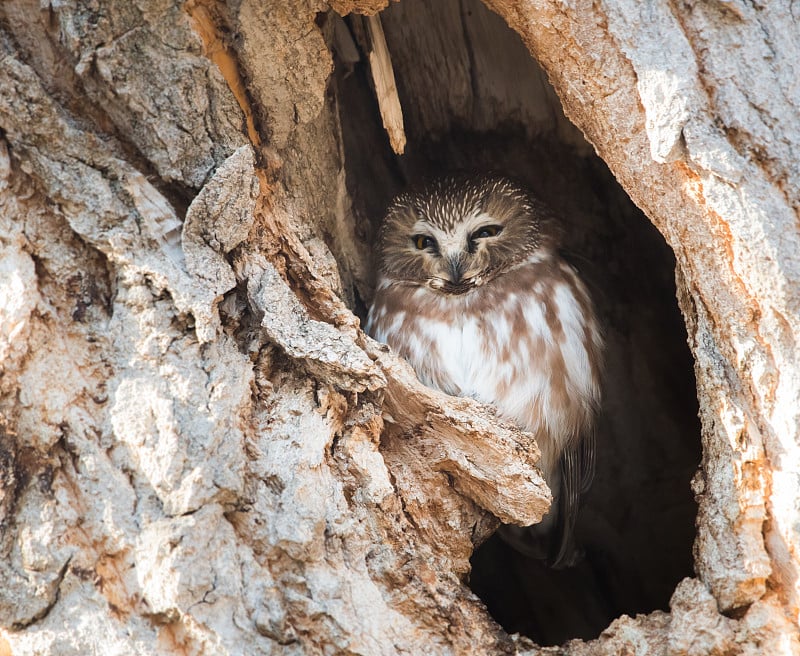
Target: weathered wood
pixel 200 451
pixel 380 64
pixel 678 123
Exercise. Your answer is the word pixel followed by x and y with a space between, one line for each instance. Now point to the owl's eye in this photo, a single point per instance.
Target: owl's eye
pixel 423 242
pixel 487 231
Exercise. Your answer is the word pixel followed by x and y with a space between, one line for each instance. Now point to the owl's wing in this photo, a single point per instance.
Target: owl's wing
pixel 577 472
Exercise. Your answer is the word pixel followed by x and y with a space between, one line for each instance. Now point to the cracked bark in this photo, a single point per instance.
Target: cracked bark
pixel 202 453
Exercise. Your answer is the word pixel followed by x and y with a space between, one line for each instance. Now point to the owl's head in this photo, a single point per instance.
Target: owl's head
pixel 459 232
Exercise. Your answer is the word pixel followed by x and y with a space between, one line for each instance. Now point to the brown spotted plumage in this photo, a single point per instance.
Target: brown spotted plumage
pixel 472 292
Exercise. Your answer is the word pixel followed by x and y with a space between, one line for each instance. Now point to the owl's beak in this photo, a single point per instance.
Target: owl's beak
pixel 455 268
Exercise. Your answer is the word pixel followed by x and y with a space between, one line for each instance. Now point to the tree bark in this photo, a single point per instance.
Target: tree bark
pixel 202 452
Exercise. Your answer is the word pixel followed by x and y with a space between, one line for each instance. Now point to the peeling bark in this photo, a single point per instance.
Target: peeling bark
pixel 200 450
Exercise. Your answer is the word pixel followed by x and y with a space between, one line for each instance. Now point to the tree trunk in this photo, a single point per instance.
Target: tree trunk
pixel 201 452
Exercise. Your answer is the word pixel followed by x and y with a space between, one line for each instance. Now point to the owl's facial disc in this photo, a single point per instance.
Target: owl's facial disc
pixel 456 260
pixel 462 232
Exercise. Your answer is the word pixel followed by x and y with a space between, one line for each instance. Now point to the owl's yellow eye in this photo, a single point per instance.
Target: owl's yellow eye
pixel 487 231
pixel 424 241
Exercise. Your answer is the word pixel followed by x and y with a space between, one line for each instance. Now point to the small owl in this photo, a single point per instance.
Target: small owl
pixel 473 293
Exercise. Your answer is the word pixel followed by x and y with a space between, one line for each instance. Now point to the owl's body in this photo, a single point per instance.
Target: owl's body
pixel 472 292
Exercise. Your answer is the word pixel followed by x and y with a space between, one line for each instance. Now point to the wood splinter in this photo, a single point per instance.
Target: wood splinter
pixel 380 64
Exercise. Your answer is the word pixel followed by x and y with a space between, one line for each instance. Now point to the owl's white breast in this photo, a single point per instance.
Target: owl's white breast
pixel 524 346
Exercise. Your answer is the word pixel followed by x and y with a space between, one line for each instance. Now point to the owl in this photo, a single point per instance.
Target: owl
pixel 473 293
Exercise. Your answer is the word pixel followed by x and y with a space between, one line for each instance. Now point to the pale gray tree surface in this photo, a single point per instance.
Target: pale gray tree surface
pixel 200 450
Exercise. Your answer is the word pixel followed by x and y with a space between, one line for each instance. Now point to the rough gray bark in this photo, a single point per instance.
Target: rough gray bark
pixel 202 453
pixel 699 102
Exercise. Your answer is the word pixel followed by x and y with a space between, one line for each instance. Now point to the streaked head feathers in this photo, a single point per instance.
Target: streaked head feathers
pixel 460 231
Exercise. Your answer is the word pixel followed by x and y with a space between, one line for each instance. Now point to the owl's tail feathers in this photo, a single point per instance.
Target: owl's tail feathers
pixel 553 539
pixel 577 472
pixel 588 458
